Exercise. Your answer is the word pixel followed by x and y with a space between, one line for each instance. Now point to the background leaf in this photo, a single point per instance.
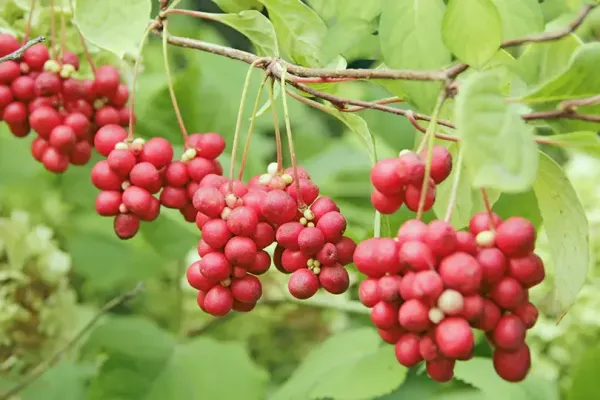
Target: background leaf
pixel 585 377
pixel 113 25
pixel 566 227
pixel 472 30
pixel 235 6
pixel 585 142
pixel 519 17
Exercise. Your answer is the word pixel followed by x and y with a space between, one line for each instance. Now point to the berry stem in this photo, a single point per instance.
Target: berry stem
pixel 276 127
pixel 251 127
pixel 29 18
pixel 488 208
pixel 288 129
pixel 136 70
pixel 165 45
pixel 63 35
pixel 387 100
pixel 430 138
pixel 86 50
pixel 238 124
pixel 52 30
pixel 455 185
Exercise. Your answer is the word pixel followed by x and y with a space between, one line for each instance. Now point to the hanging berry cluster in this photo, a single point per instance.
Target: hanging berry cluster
pixel 238 221
pixel 42 94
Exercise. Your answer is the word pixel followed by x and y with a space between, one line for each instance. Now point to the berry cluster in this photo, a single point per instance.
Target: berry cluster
pixel 430 285
pixel 239 221
pixel 399 180
pixel 41 94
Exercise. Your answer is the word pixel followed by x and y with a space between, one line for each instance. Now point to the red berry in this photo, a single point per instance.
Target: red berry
pixel 38 148
pixel 261 263
pixel 509 333
pixel 104 178
pixel 47 84
pixel 516 237
pixel 441 163
pixel 334 278
pixel 20 130
pixel 413 229
pixel 528 270
pixel 207 145
pixel 391 336
pixel 157 151
pixel 493 264
pixel 278 207
pixel 108 202
pixel 507 293
pixel 407 350
pixel 412 168
pixel 106 81
pixel 176 174
pixel 23 88
pixel 287 234
pixel 368 292
pixel 203 249
pixel 146 176
pixel 62 138
pixel 9 71
pixel 240 251
pixel 15 113
pixel 428 349
pixel 407 285
pixel 293 260
pixel 264 235
pixel 71 59
pixel 107 137
pixel 218 301
pixel 427 286
pixel 121 161
pixel 322 206
pixel 473 307
pixel 36 56
pixel 126 225
pixel 308 189
pixel 6 96
pixel 465 242
pixel 377 256
pixel 311 240
pixel 385 177
pixel 79 123
pixel 172 197
pixel 199 167
pixel 417 256
pixel 412 196
pixel 481 222
pixel 43 120
pixel 454 338
pixel 8 44
pixel 414 316
pixel 462 272
pixel 303 284
pixel 386 204
pixel 137 200
pixel 345 250
pixel 490 315
pixel 54 161
pixel 384 315
pixel 388 288
pixel 328 255
pixel 441 238
pixel 209 201
pixel 215 266
pixel 512 366
pixel 247 289
pixel 197 280
pixel 119 99
pixel 215 233
pixel 106 115
pixel 242 221
pixel 81 153
pixel 440 370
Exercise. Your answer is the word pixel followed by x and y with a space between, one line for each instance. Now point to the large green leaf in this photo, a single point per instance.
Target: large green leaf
pixel 235 6
pixel 519 17
pixel 348 366
pixel 113 25
pixel 566 227
pixel 410 37
pixel 346 9
pixel 585 142
pixel 256 27
pixel 300 30
pixel 472 30
pixel 585 377
pixel 146 363
pixel 579 80
pixel 170 235
pixel 343 36
pixel 500 151
pixel 519 204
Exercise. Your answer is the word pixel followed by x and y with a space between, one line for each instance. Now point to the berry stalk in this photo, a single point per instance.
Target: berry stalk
pixel 170 85
pixel 276 127
pixel 251 127
pixel 488 209
pixel 28 26
pixel 52 30
pixel 86 50
pixel 455 185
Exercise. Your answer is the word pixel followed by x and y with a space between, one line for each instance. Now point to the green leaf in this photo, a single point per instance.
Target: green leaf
pixel 472 30
pixel 235 6
pixel 65 381
pixel 348 366
pixel 343 35
pixel 411 38
pixel 340 10
pixel 579 80
pixel 566 227
pixel 256 27
pixel 146 363
pixel 585 142
pixel 170 235
pixel 114 25
pixel 519 204
pixel 519 17
pixel 585 377
pixel 300 30
pixel 500 151
pixel 468 200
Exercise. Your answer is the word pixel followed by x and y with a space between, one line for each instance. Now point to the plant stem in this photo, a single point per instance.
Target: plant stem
pixel 238 124
pixel 52 30
pixel 63 38
pixel 136 70
pixel 488 209
pixel 86 50
pixel 455 185
pixel 251 127
pixel 276 127
pixel 288 128
pixel 182 128
pixel 17 54
pixel 430 137
pixel 29 19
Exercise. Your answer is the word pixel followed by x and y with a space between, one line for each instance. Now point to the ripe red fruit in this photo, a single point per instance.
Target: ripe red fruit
pixel 427 286
pixel 512 366
pixel 384 315
pixel 214 266
pixel 121 161
pixel 62 138
pixel 493 263
pixel 175 198
pixel 441 238
pixel 528 270
pixel 509 333
pixel 15 113
pixel 246 289
pixel 334 278
pixel 79 123
pixel 308 189
pixel 36 56
pixel 240 251
pixel 146 176
pixel 417 256
pixel 368 292
pixel 106 81
pixel 328 255
pixel 527 313
pixel 303 284
pixel 71 59
pixel 377 256
pixel 264 235
pixel 8 44
pixel 207 145
pixel 216 233
pixel 54 161
pixel 6 97
pixel 507 293
pixel 9 71
pixel 157 151
pixel 391 336
pixel 454 338
pixel 287 234
pixel 107 137
pixel 242 221
pixel 38 148
pixel 412 168
pixel 322 206
pixel 385 176
pixel 137 200
pixel 441 163
pixel 407 350
pixel 406 286
pixel 126 225
pixel 199 167
pixel 278 207
pixel 412 196
pixel 388 288
pixel 108 202
pixel 218 301
pixel 197 280
pixel 293 260
pixel 119 99
pixel 516 237
pixel 176 174
pixel 473 307
pixel 106 115
pixel 81 153
pixel 43 120
pixel 490 315
pixel 311 240
pixel 345 250
pixel 23 88
pixel 47 84
pixel 465 242
pixel 261 263
pixel 481 222
pixel 386 204
pixel 427 348
pixel 414 316
pixel 462 272
pixel 441 369
pixel 413 229
pixel 209 201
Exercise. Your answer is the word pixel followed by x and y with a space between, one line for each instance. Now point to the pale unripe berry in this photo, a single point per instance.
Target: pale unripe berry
pixel 451 302
pixel 485 239
pixel 272 168
pixel 435 315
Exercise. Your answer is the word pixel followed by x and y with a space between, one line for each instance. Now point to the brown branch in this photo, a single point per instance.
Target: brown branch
pixel 571 105
pixel 44 366
pixel 556 114
pixel 17 54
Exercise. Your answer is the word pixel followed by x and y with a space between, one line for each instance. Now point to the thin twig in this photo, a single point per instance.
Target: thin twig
pixel 387 100
pixel 17 54
pixel 571 105
pixel 44 366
